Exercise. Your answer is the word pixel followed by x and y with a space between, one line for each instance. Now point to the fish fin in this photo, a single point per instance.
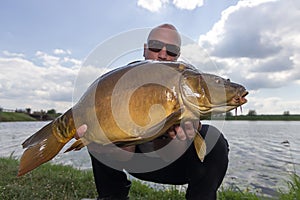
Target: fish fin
pixel 76 146
pixel 38 137
pixel 41 147
pixel 200 146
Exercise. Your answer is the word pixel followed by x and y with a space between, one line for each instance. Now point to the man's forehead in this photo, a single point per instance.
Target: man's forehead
pixel 166 35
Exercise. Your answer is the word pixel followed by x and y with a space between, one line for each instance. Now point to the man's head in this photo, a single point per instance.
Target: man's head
pixel 163 43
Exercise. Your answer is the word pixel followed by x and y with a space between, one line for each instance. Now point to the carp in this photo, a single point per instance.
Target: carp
pixel 135 104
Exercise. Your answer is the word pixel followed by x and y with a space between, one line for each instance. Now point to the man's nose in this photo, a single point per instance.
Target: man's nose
pixel 162 55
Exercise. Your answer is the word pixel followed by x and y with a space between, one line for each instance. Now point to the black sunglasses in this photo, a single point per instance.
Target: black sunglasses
pixel 157 46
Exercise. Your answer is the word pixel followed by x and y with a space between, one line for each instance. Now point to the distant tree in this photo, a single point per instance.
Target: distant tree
pixel 51 111
pixel 1 109
pixel 286 113
pixel 28 110
pixel 228 114
pixel 19 110
pixel 252 113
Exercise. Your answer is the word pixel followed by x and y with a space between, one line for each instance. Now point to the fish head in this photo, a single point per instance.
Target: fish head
pixel 207 94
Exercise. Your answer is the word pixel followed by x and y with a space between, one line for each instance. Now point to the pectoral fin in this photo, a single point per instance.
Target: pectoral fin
pixel 200 146
pixel 76 146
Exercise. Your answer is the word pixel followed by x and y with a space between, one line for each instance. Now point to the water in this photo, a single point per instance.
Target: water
pixel 13 134
pixel 262 153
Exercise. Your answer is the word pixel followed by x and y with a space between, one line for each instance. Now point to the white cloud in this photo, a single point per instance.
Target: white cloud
pixel 189 5
pixel 257 43
pixel 276 105
pixel 61 52
pixel 156 5
pixel 9 54
pixel 47 60
pixel 26 83
pixel 152 5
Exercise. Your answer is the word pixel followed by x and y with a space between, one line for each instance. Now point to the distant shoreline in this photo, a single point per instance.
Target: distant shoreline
pixel 14 117
pixel 262 117
pixel 19 116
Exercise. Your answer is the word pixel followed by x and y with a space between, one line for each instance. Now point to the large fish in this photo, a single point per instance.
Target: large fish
pixel 133 105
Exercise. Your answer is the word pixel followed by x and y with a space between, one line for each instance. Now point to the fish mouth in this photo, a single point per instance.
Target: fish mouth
pixel 240 98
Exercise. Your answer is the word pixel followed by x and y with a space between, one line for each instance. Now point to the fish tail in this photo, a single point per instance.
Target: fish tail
pixel 46 143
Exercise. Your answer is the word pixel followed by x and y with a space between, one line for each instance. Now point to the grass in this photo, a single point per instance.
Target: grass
pixel 13 116
pixel 294 189
pixel 47 182
pixel 64 182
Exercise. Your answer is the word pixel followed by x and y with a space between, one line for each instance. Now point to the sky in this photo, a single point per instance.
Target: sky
pixel 44 45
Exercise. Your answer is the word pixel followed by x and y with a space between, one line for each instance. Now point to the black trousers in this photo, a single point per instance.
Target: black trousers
pixel 203 178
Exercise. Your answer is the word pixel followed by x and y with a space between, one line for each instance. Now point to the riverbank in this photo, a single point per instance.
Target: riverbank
pixel 14 116
pixel 265 117
pixel 20 116
pixel 64 182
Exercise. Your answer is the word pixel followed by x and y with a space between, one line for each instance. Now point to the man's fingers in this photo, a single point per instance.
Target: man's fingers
pixel 180 133
pixel 172 134
pixel 189 129
pixel 81 131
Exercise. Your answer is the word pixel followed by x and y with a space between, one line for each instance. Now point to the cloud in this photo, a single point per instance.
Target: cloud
pixel 9 54
pixel 39 83
pixel 152 5
pixel 245 30
pixel 256 43
pixel 188 5
pixel 156 5
pixel 276 105
pixel 61 52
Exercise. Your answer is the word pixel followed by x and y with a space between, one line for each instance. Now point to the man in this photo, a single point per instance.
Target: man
pixel 203 178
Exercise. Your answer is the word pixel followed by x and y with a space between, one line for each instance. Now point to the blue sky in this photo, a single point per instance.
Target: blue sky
pixel 44 43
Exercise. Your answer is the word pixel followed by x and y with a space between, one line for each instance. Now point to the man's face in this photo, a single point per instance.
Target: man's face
pixel 163 44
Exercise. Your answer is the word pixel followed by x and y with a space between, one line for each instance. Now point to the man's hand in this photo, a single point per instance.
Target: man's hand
pixel 80 131
pixel 178 138
pixel 186 132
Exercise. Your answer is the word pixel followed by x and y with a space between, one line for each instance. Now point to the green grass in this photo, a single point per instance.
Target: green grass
pixel 64 182
pixel 294 189
pixel 13 116
pixel 47 182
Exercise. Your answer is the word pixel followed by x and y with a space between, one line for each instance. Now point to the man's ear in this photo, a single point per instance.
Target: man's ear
pixel 178 55
pixel 145 49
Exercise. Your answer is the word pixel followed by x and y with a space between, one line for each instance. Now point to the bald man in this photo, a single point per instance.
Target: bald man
pixel 203 178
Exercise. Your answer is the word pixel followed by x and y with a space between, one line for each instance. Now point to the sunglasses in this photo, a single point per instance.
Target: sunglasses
pixel 157 46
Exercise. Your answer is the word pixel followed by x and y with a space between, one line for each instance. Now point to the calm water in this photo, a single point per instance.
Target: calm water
pixel 262 153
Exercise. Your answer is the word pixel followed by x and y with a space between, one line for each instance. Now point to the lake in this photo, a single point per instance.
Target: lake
pixel 262 156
